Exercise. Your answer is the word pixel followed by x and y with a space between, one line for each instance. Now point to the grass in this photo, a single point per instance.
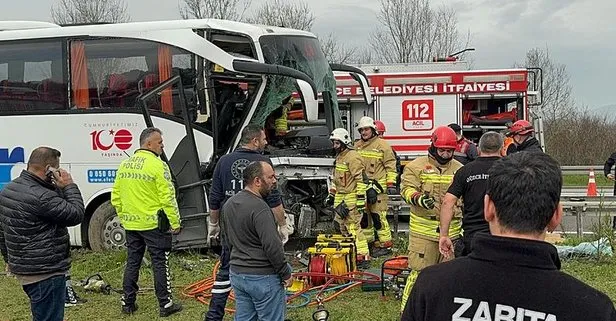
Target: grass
pixel 582 180
pixel 189 267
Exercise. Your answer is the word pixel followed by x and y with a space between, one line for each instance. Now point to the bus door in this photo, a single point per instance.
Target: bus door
pixel 185 166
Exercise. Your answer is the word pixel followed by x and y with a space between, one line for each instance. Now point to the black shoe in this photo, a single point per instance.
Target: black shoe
pixel 174 308
pixel 381 251
pixel 72 299
pixel 363 265
pixel 130 308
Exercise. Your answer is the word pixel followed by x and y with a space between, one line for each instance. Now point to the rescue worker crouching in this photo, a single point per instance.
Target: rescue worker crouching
pixel 380 178
pixel 522 140
pixel 348 195
pixel 425 181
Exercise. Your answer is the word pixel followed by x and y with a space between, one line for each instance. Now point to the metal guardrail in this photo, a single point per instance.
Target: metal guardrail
pixel 581 169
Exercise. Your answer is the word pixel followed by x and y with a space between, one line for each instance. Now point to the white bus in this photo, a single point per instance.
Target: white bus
pixel 89 90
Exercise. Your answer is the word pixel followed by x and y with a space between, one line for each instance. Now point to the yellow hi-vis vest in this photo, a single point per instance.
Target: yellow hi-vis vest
pixel 142 187
pixel 421 175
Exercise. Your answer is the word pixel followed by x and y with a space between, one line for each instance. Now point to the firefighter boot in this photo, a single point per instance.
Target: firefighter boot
pixel 363 262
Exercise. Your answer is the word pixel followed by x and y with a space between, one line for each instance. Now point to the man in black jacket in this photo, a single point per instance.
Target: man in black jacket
pixel 521 131
pixel 513 273
pixel 35 210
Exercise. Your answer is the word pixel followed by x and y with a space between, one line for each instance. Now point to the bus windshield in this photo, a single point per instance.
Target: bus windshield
pixel 303 54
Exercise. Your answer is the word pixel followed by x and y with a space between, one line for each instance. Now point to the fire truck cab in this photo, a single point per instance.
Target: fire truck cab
pixel 413 99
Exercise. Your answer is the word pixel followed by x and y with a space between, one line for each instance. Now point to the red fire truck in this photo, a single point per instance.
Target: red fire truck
pixel 413 99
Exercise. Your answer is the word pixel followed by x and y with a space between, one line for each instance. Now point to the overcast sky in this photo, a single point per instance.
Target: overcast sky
pixel 579 33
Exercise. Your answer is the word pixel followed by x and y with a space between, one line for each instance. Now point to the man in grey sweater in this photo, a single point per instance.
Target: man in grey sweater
pixel 259 271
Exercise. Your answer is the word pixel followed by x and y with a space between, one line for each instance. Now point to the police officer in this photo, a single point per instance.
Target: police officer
pixel 228 181
pixel 381 174
pixel 425 181
pixel 144 198
pixel 469 183
pixel 348 195
pixel 466 151
pixel 521 133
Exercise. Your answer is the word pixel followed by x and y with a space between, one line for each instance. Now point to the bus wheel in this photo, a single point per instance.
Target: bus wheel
pixel 105 231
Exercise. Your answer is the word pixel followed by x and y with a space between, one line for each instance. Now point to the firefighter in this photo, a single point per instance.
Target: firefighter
pixel 381 129
pixel 425 181
pixel 381 178
pixel 348 195
pixel 521 132
pixel 466 151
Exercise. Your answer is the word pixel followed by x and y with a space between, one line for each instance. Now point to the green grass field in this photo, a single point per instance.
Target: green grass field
pixel 582 180
pixel 190 267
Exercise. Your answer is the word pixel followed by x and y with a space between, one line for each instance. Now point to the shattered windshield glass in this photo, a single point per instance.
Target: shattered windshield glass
pixel 300 53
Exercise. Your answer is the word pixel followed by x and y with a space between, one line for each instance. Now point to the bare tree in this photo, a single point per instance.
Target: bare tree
pixel 335 51
pixel 216 9
pixel 89 11
pixel 557 102
pixel 284 13
pixel 412 31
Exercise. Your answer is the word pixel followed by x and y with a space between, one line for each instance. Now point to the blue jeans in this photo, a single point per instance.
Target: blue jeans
pixel 47 298
pixel 221 289
pixel 258 297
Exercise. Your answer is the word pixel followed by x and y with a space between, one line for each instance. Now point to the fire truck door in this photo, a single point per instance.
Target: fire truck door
pixel 410 120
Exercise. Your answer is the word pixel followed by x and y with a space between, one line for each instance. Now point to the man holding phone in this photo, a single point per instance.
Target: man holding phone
pixel 144 197
pixel 35 210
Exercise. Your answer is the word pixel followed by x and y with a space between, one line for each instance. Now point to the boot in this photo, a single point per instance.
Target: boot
pixel 381 251
pixel 72 299
pixel 128 308
pixel 171 308
pixel 363 262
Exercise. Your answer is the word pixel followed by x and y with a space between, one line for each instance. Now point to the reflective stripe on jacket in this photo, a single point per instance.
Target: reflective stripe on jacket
pixel 379 160
pixel 142 187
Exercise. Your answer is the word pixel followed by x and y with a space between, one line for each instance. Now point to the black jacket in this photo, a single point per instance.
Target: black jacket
pixel 530 145
pixel 505 279
pixel 34 216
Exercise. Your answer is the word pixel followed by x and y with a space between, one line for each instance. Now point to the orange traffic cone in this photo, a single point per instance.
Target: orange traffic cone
pixel 591 190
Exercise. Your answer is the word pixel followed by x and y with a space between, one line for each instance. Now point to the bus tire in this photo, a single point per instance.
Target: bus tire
pixel 105 231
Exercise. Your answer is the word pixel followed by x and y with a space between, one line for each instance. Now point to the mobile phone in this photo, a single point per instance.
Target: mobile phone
pixel 50 171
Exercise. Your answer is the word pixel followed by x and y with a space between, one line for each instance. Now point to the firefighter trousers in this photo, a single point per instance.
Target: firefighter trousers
pixel 351 225
pixel 378 212
pixel 422 253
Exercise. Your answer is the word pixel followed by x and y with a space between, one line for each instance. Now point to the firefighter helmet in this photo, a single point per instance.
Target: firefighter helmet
pixel 366 122
pixel 380 126
pixel 444 137
pixel 520 127
pixel 342 135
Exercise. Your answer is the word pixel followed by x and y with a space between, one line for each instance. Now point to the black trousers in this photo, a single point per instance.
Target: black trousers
pixel 159 246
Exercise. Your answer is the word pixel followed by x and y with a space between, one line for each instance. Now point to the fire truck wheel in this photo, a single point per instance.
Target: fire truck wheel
pixel 105 231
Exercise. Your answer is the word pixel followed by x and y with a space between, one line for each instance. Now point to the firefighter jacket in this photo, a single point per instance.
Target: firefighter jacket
pixel 379 160
pixel 348 178
pixel 425 175
pixel 142 187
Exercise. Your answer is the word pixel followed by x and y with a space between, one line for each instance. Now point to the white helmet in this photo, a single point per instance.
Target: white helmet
pixel 342 135
pixel 365 122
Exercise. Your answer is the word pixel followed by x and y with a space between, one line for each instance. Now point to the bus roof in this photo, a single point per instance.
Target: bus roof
pixel 16 30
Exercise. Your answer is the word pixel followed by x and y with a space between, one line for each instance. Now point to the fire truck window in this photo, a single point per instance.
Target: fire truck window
pixel 116 71
pixel 32 76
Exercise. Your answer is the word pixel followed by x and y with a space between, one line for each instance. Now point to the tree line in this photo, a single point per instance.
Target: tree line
pixel 409 31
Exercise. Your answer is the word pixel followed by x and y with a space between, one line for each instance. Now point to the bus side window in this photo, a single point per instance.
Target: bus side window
pixel 32 76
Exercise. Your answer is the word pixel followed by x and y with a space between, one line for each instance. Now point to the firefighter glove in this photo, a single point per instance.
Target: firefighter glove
pixel 371 195
pixel 329 200
pixel 342 211
pixel 376 220
pixel 213 229
pixel 424 200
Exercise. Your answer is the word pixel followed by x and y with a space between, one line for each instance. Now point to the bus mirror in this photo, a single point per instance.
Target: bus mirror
pixel 310 104
pixel 359 76
pixel 365 87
